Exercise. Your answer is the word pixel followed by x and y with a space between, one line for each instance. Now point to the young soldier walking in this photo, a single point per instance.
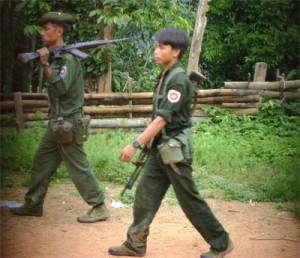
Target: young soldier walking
pixel 65 134
pixel 171 119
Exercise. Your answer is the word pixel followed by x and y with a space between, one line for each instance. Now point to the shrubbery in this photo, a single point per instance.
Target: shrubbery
pixel 238 158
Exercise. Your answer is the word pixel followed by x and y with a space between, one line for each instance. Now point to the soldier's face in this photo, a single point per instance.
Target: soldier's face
pixel 164 54
pixel 51 34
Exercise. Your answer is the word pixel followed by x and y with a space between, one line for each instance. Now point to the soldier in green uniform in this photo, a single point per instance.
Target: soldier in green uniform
pixel 171 117
pixel 67 128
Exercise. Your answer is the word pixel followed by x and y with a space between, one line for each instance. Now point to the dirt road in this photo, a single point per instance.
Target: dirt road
pixel 259 230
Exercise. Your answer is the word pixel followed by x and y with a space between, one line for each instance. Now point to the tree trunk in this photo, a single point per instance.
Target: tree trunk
pixel 104 81
pixel 200 25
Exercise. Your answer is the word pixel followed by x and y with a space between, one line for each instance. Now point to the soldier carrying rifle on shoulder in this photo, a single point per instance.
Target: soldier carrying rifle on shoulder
pixel 67 128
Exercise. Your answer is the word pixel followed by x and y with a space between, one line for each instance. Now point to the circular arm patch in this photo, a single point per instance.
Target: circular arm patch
pixel 174 96
pixel 63 71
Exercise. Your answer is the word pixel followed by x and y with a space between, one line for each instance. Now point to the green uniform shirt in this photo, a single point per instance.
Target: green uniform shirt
pixel 175 105
pixel 67 84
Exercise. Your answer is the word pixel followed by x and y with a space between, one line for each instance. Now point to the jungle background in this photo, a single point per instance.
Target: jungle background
pixel 248 168
pixel 237 157
pixel 239 33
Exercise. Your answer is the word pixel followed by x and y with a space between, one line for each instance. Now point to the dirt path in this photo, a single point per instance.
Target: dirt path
pixel 258 230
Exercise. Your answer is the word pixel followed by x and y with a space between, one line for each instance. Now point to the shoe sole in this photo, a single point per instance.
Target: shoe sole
pixel 84 220
pixel 127 253
pixel 220 255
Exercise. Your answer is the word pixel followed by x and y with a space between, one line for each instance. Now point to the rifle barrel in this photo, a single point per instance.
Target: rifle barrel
pixel 139 165
pixel 93 44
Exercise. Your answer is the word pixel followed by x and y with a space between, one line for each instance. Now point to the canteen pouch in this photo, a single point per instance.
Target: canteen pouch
pixel 82 129
pixel 63 130
pixel 170 151
pixel 186 139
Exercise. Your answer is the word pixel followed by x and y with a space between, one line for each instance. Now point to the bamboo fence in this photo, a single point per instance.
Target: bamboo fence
pixel 128 110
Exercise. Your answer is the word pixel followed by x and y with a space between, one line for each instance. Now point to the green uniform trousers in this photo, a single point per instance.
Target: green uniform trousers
pixel 151 189
pixel 47 159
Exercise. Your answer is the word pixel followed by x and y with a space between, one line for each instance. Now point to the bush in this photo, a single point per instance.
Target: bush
pixel 238 158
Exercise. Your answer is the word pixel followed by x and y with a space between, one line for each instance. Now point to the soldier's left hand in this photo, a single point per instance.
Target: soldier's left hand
pixel 127 153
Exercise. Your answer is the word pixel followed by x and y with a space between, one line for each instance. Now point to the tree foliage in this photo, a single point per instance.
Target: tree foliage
pixel 241 33
pixel 238 34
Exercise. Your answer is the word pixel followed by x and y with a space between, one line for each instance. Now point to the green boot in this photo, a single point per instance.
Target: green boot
pixel 123 250
pixel 97 213
pixel 27 210
pixel 215 254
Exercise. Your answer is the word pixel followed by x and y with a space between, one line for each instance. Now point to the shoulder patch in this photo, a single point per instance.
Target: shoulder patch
pixel 63 71
pixel 174 96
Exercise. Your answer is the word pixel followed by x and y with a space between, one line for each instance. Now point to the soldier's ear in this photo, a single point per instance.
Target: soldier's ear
pixel 60 31
pixel 176 52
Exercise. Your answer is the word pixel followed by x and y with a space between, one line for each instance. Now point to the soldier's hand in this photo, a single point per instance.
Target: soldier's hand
pixel 44 55
pixel 127 153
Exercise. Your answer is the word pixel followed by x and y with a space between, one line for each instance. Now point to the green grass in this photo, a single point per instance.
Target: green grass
pixel 236 158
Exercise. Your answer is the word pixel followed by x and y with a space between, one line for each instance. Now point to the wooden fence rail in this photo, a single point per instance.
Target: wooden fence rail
pixel 239 97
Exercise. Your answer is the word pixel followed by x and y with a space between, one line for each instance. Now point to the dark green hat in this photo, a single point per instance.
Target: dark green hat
pixel 57 17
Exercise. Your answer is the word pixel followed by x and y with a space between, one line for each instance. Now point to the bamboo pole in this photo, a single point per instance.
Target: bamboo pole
pixel 25 103
pixel 221 99
pixel 24 96
pixel 242 105
pixel 116 109
pixel 226 92
pixel 262 85
pixel 10 104
pixel 242 92
pixel 44 116
pixel 140 95
pixel 118 123
pixel 277 94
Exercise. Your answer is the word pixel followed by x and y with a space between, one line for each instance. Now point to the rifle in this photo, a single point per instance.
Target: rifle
pixel 76 49
pixel 139 165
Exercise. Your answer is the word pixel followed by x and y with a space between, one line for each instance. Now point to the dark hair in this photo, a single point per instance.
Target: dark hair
pixel 174 37
pixel 64 25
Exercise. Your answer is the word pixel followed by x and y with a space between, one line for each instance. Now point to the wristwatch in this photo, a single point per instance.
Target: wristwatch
pixel 46 64
pixel 136 144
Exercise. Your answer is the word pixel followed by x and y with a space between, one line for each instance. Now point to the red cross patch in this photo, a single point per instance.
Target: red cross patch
pixel 174 96
pixel 63 71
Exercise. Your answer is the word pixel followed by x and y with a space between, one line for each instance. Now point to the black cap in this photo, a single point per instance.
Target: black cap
pixel 57 17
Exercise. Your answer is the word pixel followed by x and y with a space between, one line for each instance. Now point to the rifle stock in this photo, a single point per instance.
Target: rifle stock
pixel 27 57
pixel 74 49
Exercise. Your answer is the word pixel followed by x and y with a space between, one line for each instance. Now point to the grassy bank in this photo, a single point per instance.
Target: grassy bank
pixel 235 157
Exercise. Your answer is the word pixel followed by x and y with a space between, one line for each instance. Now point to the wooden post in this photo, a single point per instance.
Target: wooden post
pixel 260 72
pixel 199 29
pixel 19 110
pixel 130 95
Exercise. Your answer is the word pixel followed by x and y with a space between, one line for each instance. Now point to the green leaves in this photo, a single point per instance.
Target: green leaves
pixel 242 33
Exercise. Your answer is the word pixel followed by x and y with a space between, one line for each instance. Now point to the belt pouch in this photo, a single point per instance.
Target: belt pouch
pixel 170 151
pixel 63 130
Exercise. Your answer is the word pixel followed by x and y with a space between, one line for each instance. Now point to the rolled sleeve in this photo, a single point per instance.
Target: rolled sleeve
pixel 166 114
pixel 171 102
